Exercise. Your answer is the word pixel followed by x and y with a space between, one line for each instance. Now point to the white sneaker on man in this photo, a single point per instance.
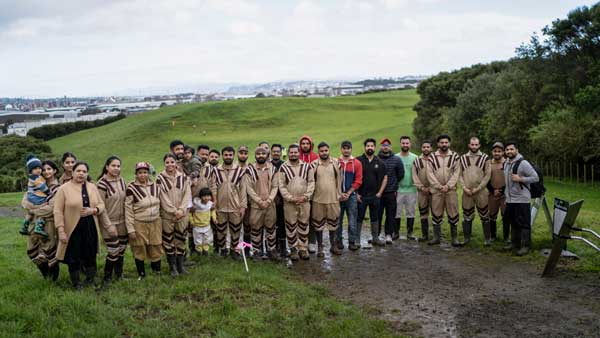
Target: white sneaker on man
pixel 312 248
pixel 388 239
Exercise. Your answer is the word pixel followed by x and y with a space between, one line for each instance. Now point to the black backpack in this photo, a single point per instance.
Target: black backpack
pixel 536 189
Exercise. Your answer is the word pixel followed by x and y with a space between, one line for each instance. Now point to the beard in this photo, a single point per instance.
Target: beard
pixel 242 160
pixel 261 160
pixel 370 152
pixel 324 157
pixel 405 149
pixel 444 148
pixel 511 155
pixel 426 153
pixel 227 161
pixel 213 162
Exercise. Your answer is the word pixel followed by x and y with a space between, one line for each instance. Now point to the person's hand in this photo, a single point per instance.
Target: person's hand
pixel 301 199
pixel 426 190
pixel 179 214
pixel 112 231
pixel 242 212
pixel 87 212
pixel 358 198
pixel 467 191
pixel 378 195
pixel 444 189
pixel 344 197
pixel 263 204
pixel 516 178
pixel 497 193
pixel 132 236
pixel 62 236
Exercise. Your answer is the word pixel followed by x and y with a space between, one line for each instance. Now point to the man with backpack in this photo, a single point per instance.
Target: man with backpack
pixel 520 177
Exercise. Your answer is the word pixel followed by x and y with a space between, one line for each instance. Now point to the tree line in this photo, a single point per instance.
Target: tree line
pixel 547 97
pixel 51 131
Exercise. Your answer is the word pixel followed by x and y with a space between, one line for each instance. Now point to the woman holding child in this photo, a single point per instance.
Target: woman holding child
pixel 41 247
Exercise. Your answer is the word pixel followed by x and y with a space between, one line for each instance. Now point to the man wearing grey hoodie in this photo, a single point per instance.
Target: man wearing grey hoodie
pixel 518 176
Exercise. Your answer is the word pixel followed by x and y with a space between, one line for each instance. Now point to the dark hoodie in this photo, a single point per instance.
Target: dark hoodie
pixel 310 156
pixel 394 169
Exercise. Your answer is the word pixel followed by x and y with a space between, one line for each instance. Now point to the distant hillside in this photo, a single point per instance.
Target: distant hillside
pixel 283 120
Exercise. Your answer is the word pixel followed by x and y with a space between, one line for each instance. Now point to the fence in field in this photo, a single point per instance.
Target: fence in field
pixel 567 171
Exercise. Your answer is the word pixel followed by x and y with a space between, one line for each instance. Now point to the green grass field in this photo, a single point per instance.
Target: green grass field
pixel 146 137
pixel 218 299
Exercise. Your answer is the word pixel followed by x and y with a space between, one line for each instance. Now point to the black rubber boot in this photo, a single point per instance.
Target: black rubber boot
pixel 410 224
pixel 424 229
pixel 43 267
pixel 53 272
pixel 108 271
pixel 180 269
pixel 320 249
pixel 334 249
pixel 454 235
pixel 75 279
pixel 487 232
pixel 467 229
pixel 141 269
pixel 155 266
pixel 493 230
pixel 526 240
pixel 90 275
pixel 396 233
pixel 505 229
pixel 172 260
pixel 515 239
pixel 437 235
pixel 119 268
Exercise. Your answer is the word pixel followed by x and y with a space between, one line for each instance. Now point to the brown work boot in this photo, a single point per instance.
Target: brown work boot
pixel 320 251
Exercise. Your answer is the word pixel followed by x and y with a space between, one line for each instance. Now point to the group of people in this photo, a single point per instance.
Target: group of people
pixel 217 199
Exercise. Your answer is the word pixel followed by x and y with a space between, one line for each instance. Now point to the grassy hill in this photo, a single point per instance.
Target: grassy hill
pixel 282 120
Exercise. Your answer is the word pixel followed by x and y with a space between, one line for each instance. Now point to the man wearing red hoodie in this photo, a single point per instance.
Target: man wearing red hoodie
pixel 308 156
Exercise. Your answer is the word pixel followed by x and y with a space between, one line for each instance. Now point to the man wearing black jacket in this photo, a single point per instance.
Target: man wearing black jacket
pixel 371 190
pixel 395 172
pixel 280 224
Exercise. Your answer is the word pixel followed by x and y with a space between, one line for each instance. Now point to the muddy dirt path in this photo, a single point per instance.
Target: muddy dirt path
pixel 11 212
pixel 441 291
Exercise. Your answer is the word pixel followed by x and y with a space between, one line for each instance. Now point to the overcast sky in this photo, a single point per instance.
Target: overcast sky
pixel 99 47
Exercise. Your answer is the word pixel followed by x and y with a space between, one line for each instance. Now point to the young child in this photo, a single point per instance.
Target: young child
pixel 191 165
pixel 37 191
pixel 200 221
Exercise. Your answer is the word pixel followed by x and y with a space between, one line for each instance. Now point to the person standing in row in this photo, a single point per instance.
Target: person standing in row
pixel 419 174
pixel 296 184
pixel 42 251
pixel 325 210
pixel 68 161
pixel 231 201
pixel 242 161
pixel 177 148
pixel 261 183
pixel 496 198
pixel 519 174
pixel 142 219
pixel 407 191
pixel 352 176
pixel 371 190
pixel 76 211
pixel 474 177
pixel 395 172
pixel 175 199
pixel 443 171
pixel 280 232
pixel 307 155
pixel 202 153
pixel 111 188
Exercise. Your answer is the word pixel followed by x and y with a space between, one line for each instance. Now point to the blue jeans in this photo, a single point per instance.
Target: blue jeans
pixel 351 208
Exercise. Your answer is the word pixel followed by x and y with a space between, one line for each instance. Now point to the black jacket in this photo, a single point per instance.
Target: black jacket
pixel 395 170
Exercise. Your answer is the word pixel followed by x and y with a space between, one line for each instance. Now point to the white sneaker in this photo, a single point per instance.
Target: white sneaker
pixel 388 239
pixel 312 248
